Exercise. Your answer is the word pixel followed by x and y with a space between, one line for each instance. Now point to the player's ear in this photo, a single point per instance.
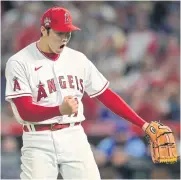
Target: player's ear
pixel 43 31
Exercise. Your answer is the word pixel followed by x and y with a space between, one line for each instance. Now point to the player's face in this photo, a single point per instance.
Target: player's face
pixel 58 40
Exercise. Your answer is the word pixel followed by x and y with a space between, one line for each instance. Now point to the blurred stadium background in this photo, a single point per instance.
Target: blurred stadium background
pixel 136 46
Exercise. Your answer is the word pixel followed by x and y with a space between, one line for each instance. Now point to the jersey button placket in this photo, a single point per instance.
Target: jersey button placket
pixel 59 91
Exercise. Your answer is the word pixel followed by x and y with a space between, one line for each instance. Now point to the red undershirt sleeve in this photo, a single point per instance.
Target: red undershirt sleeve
pixel 117 105
pixel 32 112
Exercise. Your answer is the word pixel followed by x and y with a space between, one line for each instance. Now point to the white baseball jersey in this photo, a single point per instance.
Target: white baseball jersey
pixel 30 73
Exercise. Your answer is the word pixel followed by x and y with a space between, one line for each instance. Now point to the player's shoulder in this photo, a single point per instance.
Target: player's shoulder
pixel 75 53
pixel 23 55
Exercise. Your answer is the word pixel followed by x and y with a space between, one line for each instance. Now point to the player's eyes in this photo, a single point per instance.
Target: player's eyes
pixel 66 34
pixel 60 33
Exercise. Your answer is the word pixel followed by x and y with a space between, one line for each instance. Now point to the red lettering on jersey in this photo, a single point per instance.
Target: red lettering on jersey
pixel 16 84
pixel 51 85
pixel 62 83
pixel 77 83
pixel 81 84
pixel 41 92
pixel 70 79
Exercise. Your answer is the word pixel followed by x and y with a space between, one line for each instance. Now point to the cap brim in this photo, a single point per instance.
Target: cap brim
pixel 67 28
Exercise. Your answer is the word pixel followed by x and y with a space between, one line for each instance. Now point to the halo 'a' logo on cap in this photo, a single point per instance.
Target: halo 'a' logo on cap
pixel 67 18
pixel 47 21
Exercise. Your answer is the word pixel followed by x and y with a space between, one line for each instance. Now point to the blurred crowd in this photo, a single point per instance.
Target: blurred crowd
pixel 136 46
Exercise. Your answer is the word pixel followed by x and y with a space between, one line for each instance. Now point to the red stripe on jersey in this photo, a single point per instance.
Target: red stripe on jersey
pixel 99 91
pixel 117 105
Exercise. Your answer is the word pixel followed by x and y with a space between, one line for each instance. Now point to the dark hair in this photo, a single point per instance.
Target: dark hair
pixel 48 31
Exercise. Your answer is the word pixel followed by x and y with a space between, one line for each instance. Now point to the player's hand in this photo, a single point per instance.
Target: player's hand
pixel 69 106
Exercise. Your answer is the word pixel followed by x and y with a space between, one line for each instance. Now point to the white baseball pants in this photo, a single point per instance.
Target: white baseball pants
pixel 42 151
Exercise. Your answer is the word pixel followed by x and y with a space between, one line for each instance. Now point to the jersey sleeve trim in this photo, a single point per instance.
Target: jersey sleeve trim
pixel 17 95
pixel 101 91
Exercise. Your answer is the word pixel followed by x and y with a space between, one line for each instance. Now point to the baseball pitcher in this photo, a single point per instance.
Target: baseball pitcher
pixel 45 84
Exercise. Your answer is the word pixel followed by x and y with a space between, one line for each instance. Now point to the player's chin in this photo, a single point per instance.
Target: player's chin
pixel 59 50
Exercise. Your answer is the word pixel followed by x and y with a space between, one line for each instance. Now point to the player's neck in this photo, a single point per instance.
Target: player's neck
pixel 42 46
pixel 48 54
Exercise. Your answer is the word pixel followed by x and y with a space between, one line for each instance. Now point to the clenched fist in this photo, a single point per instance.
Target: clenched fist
pixel 69 106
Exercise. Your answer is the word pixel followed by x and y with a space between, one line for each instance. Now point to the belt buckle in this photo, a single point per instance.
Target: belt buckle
pixel 52 127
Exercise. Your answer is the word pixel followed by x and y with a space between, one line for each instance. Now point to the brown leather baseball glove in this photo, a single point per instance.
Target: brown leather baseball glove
pixel 162 143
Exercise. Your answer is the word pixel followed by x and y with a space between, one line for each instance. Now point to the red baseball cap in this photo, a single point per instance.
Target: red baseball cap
pixel 58 19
